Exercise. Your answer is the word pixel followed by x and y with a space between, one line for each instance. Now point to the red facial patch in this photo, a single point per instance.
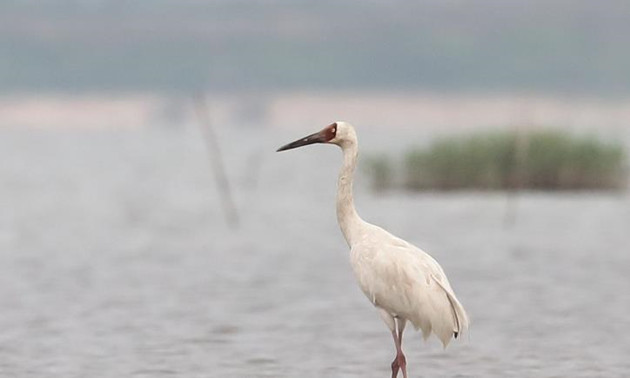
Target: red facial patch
pixel 330 132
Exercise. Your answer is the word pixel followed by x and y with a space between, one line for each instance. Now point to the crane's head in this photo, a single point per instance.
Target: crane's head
pixel 338 133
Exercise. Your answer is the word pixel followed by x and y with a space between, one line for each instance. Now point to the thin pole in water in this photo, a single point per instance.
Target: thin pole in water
pixel 216 159
pixel 521 148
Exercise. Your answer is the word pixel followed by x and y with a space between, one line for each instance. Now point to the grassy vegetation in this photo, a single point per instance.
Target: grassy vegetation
pixel 540 160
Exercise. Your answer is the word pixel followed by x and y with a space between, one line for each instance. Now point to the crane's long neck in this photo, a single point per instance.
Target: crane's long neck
pixel 347 216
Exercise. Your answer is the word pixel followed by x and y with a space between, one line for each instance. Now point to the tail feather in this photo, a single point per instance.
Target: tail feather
pixel 459 314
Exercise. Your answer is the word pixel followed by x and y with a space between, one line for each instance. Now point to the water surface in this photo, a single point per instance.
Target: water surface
pixel 115 261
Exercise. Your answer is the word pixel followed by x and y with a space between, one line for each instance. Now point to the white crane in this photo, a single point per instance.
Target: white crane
pixel 403 282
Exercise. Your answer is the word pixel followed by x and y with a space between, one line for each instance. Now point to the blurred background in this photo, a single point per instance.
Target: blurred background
pixel 148 228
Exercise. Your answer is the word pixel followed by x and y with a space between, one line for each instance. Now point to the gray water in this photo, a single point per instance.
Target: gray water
pixel 116 262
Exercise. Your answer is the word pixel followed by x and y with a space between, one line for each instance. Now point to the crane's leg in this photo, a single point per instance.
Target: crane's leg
pixel 400 356
pixel 399 361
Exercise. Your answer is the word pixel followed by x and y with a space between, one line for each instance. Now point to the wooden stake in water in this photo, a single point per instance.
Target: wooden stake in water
pixel 520 155
pixel 216 159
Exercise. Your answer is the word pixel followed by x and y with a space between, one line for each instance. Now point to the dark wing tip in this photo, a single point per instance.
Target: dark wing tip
pixel 455 334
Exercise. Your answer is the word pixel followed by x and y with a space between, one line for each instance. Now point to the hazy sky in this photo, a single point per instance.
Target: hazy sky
pixel 173 45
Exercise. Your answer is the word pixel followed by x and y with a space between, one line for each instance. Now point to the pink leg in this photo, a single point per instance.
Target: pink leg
pixel 395 363
pixel 399 353
pixel 400 362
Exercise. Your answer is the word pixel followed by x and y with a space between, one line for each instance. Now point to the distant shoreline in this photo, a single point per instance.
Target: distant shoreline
pixel 434 112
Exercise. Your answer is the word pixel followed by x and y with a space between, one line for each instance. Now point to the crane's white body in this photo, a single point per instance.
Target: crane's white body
pixel 400 279
pixel 406 283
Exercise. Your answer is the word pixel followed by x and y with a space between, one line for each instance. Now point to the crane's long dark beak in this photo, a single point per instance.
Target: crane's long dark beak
pixel 318 137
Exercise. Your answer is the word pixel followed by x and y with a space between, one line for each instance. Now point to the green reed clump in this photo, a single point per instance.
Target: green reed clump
pixel 558 161
pixel 538 160
pixel 481 161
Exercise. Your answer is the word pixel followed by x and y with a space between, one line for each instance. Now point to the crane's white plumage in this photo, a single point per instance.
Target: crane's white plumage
pixel 401 280
pixel 406 282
